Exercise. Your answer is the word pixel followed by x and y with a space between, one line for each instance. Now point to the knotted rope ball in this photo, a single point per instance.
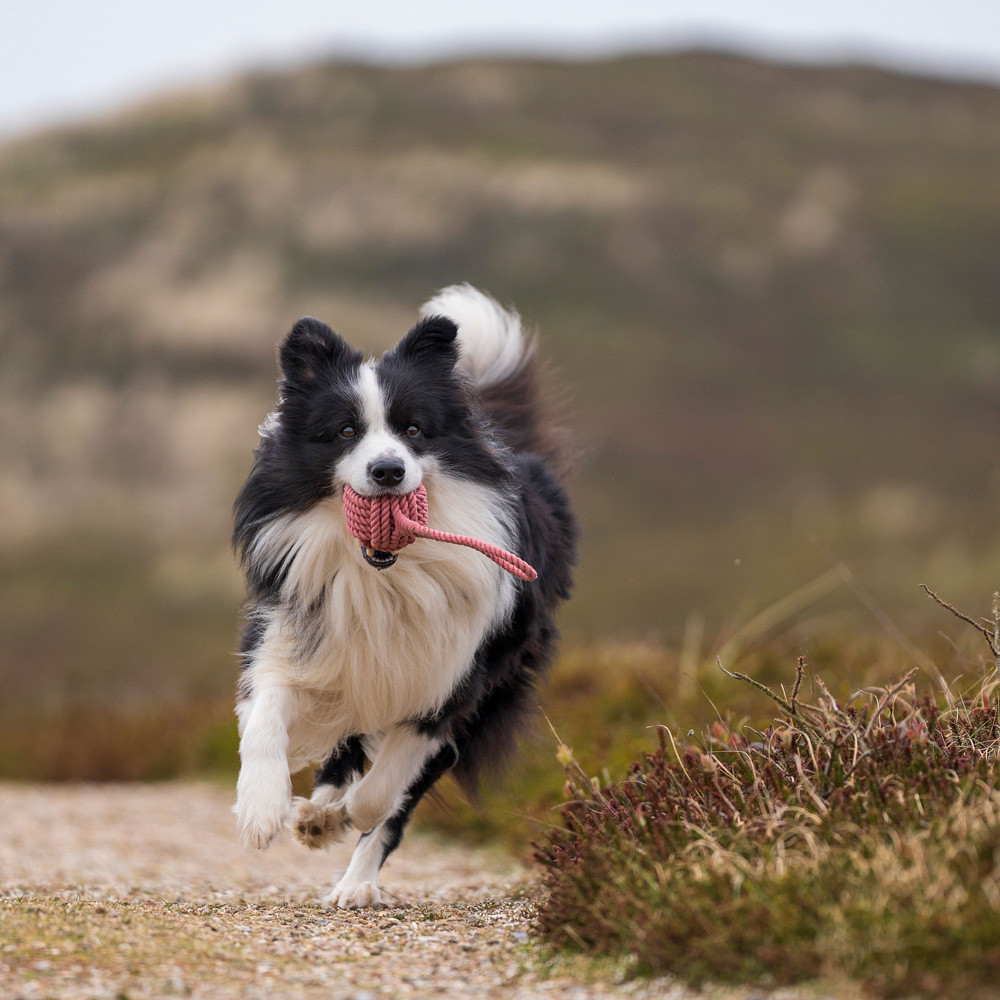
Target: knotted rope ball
pixel 392 521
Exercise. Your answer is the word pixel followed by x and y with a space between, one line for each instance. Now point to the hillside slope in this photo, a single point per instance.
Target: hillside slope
pixel 773 294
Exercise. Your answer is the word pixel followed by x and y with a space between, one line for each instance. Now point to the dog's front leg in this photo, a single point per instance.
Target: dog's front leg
pixel 400 758
pixel 264 789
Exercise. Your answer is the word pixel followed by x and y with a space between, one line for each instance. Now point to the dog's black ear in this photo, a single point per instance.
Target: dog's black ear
pixel 312 347
pixel 433 338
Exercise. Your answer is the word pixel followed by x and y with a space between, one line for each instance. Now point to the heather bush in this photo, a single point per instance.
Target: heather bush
pixel 857 838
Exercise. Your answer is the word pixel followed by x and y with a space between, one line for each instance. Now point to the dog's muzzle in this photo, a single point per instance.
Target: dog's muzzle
pixel 378 558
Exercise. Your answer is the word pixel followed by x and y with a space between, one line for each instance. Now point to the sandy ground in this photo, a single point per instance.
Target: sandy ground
pixel 143 891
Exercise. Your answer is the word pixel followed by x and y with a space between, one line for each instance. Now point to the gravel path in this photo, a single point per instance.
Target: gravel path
pixel 143 891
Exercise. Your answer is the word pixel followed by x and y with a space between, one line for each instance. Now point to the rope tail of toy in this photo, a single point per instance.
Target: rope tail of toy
pixel 392 521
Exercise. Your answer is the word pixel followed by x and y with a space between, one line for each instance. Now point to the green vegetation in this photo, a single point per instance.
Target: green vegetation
pixel 851 838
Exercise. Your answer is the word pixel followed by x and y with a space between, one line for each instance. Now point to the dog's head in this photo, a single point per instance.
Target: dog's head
pixel 380 426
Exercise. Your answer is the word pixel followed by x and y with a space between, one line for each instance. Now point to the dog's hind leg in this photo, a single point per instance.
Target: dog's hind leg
pixel 321 820
pixel 398 759
pixel 358 885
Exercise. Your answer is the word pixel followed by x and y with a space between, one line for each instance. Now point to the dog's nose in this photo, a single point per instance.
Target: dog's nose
pixel 387 471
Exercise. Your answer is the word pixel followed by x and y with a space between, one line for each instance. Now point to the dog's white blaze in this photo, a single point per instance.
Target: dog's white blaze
pixel 491 340
pixel 388 645
pixel 377 440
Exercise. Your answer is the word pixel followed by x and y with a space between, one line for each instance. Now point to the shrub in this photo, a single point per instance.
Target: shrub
pixel 857 838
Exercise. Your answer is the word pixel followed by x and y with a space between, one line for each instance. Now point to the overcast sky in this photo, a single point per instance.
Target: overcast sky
pixel 65 59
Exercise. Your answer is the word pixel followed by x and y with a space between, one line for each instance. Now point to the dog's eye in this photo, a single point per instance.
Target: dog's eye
pixel 412 431
pixel 347 431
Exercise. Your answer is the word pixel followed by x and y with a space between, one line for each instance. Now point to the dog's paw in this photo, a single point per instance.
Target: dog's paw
pixel 354 896
pixel 317 825
pixel 258 827
pixel 262 809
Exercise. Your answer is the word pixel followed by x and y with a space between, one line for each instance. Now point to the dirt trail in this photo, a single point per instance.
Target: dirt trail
pixel 143 891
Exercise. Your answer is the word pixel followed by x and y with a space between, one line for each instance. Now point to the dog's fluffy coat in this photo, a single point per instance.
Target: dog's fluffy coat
pixel 389 677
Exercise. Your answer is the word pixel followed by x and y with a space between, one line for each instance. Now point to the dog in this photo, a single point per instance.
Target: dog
pixel 386 670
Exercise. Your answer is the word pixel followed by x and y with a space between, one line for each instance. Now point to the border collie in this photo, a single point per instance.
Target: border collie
pixel 387 670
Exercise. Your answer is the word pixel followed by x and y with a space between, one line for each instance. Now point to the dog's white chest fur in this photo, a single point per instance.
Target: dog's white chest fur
pixel 361 649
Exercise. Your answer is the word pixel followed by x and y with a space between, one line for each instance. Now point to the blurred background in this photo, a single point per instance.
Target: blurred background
pixel 761 244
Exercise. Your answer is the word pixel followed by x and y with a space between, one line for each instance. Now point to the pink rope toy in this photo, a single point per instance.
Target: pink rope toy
pixel 392 521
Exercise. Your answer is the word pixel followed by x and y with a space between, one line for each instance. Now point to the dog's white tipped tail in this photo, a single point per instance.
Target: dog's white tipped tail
pixel 491 342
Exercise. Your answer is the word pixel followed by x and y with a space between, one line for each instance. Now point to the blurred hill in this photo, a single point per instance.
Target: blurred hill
pixel 773 294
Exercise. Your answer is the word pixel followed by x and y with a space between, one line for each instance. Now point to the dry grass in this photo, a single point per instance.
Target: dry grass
pixel 857 837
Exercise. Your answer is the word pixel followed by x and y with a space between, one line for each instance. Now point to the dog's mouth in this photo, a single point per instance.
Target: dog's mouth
pixel 378 558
